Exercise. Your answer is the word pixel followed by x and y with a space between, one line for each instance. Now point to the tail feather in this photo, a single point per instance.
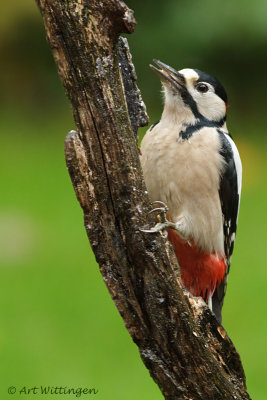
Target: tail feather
pixel 218 298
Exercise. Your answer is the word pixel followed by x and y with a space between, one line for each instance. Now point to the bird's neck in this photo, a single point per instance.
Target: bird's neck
pixel 181 115
pixel 173 115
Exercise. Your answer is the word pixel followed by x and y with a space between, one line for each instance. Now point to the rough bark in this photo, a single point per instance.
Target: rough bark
pixel 187 353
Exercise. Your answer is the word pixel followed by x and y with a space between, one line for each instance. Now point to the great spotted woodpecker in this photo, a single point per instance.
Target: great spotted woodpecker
pixel 191 164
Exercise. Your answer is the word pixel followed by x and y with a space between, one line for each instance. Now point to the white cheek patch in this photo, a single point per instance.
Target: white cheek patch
pixel 211 106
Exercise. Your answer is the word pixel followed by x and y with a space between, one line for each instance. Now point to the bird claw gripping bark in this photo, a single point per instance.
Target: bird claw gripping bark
pixel 163 223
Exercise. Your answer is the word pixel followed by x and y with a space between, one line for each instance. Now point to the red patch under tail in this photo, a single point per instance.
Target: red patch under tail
pixel 201 272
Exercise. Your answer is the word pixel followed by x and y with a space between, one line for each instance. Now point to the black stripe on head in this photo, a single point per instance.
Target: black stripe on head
pixel 190 102
pixel 218 87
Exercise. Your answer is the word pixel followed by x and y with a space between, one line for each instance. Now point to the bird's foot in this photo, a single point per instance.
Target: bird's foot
pixel 163 223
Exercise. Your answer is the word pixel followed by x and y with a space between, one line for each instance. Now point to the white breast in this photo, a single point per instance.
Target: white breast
pixel 185 174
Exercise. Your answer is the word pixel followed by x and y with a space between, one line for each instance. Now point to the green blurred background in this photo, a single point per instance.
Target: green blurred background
pixel 58 323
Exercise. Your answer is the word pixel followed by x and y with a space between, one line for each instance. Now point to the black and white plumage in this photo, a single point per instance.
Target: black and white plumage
pixel 230 193
pixel 191 163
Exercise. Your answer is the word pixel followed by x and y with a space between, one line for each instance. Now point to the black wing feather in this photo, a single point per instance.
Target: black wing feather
pixel 229 197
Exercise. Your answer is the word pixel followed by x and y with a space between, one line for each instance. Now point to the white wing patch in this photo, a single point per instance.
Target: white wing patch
pixel 230 191
pixel 238 166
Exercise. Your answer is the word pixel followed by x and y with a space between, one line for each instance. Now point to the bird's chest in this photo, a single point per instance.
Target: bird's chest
pixel 178 171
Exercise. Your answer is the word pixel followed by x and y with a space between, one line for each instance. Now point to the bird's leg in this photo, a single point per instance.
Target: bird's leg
pixel 163 223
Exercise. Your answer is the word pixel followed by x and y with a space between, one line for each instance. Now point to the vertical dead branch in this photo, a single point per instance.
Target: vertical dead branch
pixel 187 353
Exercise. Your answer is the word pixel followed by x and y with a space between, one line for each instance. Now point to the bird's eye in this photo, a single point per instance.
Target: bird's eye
pixel 202 87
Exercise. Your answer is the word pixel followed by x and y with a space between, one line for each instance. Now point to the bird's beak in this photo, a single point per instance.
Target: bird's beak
pixel 168 74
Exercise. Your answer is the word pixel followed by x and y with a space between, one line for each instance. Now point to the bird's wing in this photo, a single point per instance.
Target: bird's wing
pixel 229 191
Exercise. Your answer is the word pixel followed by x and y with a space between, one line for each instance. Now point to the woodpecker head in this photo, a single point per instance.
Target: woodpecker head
pixel 192 93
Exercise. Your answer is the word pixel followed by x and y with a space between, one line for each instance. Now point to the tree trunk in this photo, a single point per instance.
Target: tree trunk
pixel 187 353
